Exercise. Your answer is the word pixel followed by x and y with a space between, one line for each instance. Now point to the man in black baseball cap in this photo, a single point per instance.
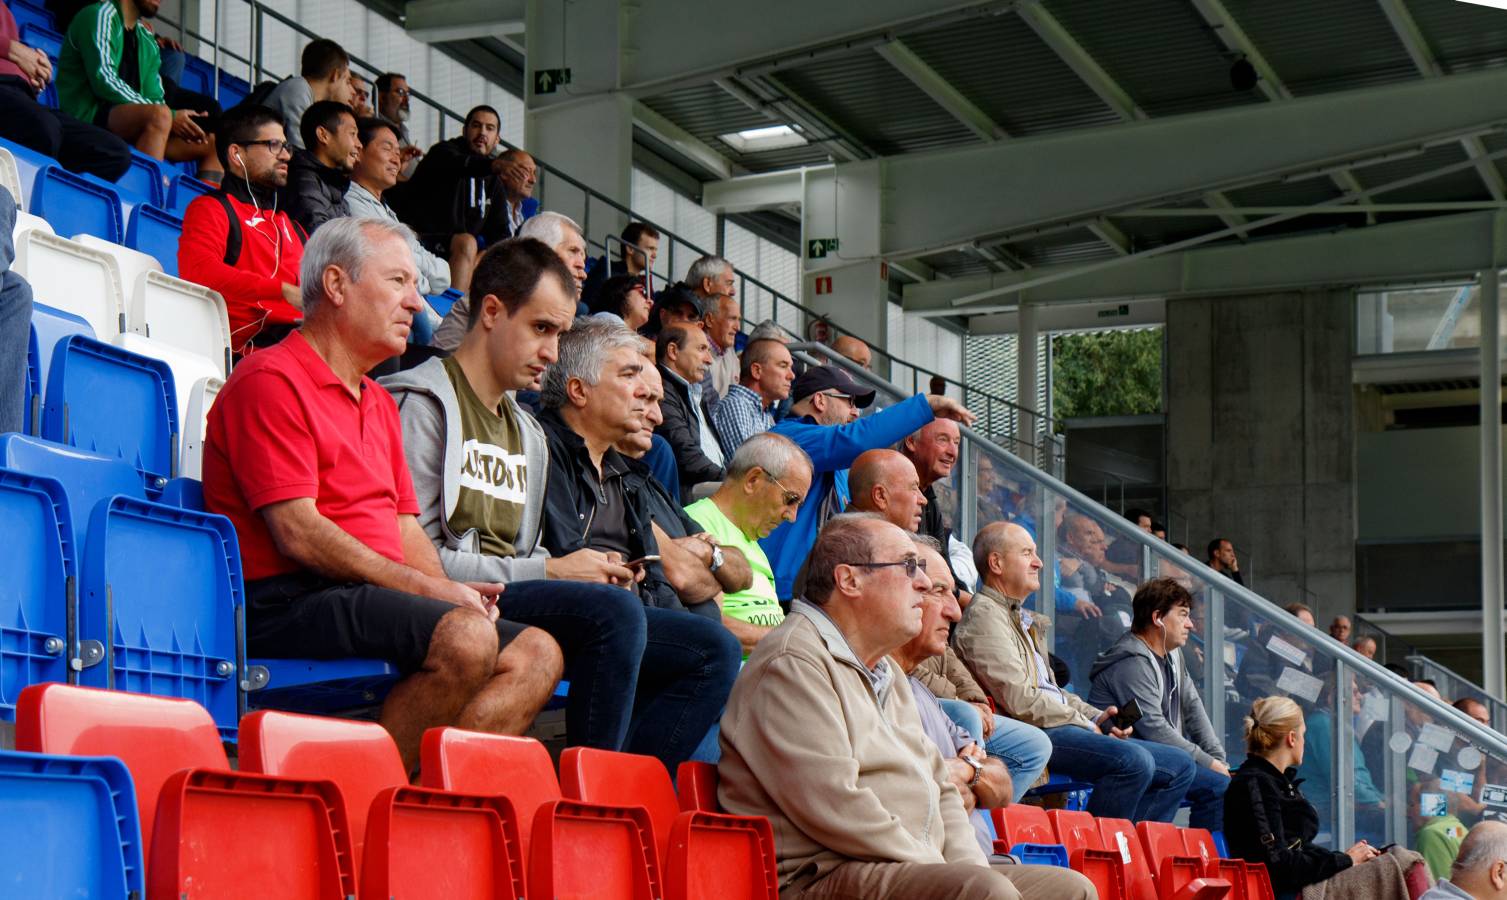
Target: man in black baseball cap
pixel 824 422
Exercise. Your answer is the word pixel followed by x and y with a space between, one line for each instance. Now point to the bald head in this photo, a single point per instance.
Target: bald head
pixel 854 349
pixel 1480 869
pixel 1005 554
pixel 885 482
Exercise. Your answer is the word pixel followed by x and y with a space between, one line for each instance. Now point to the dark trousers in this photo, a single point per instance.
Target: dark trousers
pixel 645 680
pixel 79 146
pixel 15 322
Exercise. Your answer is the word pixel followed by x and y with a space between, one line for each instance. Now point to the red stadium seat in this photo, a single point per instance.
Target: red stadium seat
pixel 1258 882
pixel 417 842
pixel 1119 836
pixel 1180 875
pixel 1026 832
pixel 696 784
pixel 700 854
pixel 210 832
pixel 1079 833
pixel 1200 843
pixel 573 849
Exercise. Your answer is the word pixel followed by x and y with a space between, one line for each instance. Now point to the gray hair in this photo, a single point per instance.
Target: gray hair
pixel 1482 848
pixel 929 543
pixel 774 453
pixel 846 538
pixel 770 330
pixel 583 353
pixel 706 267
pixel 548 227
pixel 347 243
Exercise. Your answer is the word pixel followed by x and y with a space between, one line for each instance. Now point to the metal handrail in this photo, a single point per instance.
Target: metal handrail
pixel 445 113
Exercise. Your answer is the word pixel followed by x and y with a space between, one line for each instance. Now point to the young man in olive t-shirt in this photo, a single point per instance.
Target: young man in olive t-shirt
pixel 479 463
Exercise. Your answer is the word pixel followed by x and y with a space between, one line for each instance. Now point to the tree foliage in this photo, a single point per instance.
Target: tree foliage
pixel 1107 373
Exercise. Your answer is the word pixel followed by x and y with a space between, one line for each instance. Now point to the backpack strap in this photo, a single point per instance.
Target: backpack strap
pixel 233 231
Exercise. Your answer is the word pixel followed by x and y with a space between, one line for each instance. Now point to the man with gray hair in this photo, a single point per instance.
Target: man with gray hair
pixel 766 481
pixel 594 396
pixel 823 737
pixel 559 233
pixel 1480 871
pixel 304 454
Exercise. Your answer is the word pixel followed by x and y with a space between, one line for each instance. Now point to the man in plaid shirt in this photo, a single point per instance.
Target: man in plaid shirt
pixel 764 380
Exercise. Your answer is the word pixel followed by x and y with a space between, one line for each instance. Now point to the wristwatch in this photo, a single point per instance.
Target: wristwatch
pixel 716 558
pixel 978 769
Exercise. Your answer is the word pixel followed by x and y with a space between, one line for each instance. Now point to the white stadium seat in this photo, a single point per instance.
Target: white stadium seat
pixel 25 221
pixel 181 314
pixel 72 277
pixel 200 397
pixel 188 368
pixel 10 177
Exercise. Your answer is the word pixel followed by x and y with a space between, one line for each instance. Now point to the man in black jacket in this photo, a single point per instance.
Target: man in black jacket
pixel 455 198
pixel 319 176
pixel 683 354
pixel 595 396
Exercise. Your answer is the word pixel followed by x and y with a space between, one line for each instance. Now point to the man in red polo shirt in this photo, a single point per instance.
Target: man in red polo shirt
pixel 305 455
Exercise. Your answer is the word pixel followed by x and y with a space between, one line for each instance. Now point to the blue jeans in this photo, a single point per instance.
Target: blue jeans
pixel 15 323
pixel 1024 749
pixel 644 680
pixel 1206 793
pixel 1132 779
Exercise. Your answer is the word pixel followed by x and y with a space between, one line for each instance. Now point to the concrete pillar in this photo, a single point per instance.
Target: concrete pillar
pixel 849 284
pixel 583 127
pixel 1492 678
pixel 1027 428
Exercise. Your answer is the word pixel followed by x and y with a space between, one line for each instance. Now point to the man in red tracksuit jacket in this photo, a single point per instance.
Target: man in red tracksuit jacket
pixel 238 242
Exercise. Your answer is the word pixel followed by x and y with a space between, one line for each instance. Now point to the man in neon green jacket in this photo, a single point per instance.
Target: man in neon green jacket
pixel 109 76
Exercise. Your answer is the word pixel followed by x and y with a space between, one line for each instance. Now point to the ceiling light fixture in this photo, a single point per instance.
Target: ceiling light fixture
pixel 757 140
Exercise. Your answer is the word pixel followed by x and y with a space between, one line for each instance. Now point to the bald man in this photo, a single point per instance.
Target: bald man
pixel 855 350
pixel 885 482
pixel 1001 644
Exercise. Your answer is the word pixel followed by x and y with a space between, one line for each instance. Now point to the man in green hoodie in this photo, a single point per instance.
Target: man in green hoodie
pixel 1146 666
pixel 109 75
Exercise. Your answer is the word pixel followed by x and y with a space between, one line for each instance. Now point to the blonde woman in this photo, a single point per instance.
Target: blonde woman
pixel 1268 820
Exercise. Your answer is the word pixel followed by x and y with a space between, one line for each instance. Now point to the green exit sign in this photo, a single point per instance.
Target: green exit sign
pixel 1114 312
pixel 547 81
pixel 818 248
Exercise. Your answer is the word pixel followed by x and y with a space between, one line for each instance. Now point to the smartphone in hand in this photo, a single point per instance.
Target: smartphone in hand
pixel 1128 715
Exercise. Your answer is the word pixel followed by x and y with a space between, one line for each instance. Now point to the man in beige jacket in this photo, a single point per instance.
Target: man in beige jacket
pixel 822 738
pixel 1001 644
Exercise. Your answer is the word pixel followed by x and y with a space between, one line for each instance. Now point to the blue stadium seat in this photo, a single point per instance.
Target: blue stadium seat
pixel 69 827
pixel 87 478
pixel 161 589
pixel 185 189
pixel 48 326
pixel 232 90
pixel 317 686
pixel 155 232
pixel 147 178
pixel 43 38
pixel 75 204
pixel 186 493
pixel 31 404
pixel 28 163
pixel 199 76
pixel 38 557
pixel 28 13
pixel 442 302
pixel 106 400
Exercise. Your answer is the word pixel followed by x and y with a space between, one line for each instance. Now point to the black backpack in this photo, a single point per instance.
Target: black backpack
pixel 233 233
pixel 258 95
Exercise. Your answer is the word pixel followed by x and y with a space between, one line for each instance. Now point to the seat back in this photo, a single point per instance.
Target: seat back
pixel 28 13
pixel 41 37
pixel 196 425
pixel 728 857
pixel 110 401
pixel 155 232
pixel 1119 836
pixel 50 326
pixel 430 843
pixel 360 757
pixel 517 768
pixel 83 811
pixel 199 76
pixel 131 264
pixel 70 277
pixel 25 221
pixel 28 163
pixel 37 555
pixel 146 178
pixel 182 315
pixel 186 366
pixel 87 478
pixel 154 736
pixel 622 779
pixel 1021 824
pixel 1162 840
pixel 185 189
pixel 77 205
pixel 232 89
pixel 1200 842
pixel 1076 830
pixel 10 179
pixel 696 785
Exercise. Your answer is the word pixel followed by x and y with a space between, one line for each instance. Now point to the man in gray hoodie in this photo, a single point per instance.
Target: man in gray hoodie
pixel 1146 666
pixel 480 466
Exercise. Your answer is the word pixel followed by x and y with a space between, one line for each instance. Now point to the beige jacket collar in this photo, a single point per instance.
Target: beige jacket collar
pixel 880 679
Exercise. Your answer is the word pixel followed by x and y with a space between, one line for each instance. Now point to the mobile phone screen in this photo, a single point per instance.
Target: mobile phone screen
pixel 1128 715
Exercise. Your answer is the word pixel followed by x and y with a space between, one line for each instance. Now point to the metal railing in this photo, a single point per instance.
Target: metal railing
pixel 998 415
pixel 1454 685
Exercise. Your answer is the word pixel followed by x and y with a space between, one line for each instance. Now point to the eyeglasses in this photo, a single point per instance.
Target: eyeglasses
pixel 400 92
pixel 911 564
pixel 792 498
pixel 274 145
pixel 836 396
